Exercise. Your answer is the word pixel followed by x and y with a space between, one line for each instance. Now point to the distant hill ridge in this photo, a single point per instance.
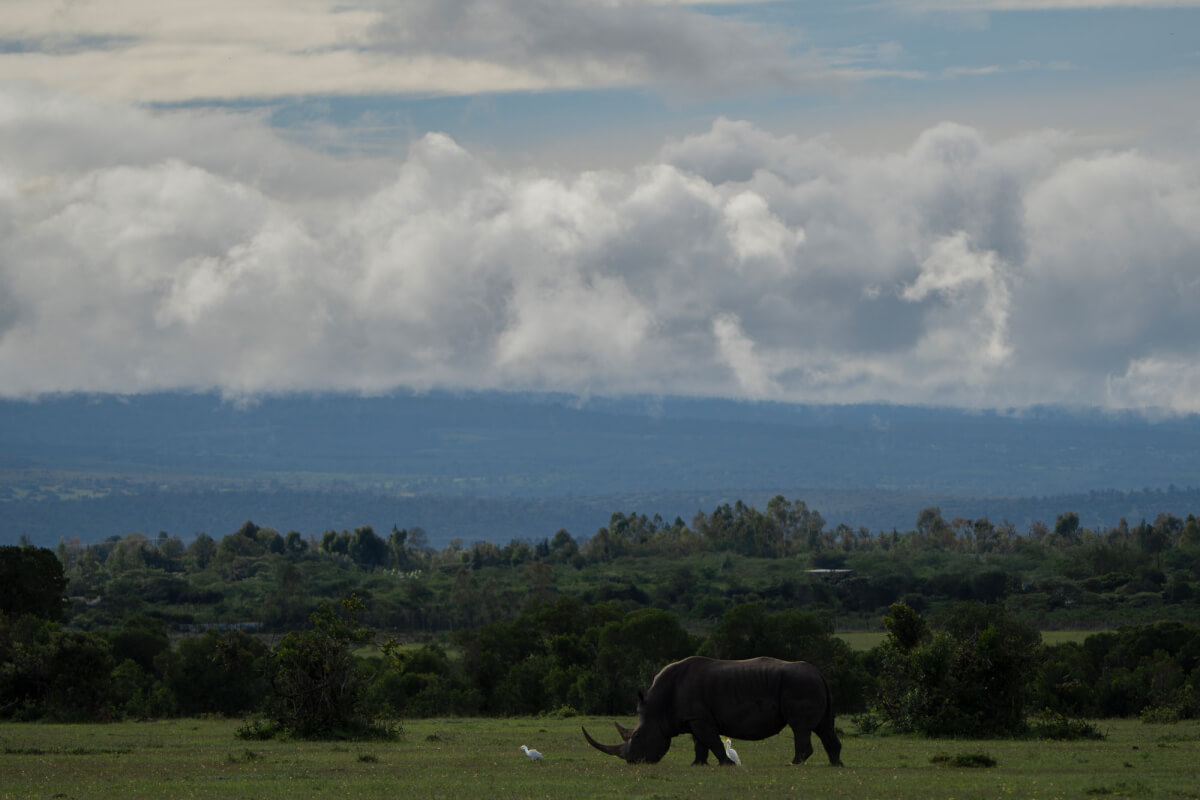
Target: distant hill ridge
pixel 498 466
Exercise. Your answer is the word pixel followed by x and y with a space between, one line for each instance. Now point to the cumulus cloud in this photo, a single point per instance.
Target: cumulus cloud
pixel 958 270
pixel 967 331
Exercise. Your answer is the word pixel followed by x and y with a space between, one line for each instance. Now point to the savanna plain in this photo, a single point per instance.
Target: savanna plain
pixel 472 757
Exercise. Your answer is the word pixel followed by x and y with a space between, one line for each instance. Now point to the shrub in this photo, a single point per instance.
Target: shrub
pixel 316 683
pixel 963 760
pixel 970 679
pixel 1059 727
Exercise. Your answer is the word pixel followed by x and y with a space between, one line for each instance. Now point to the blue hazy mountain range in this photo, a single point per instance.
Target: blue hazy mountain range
pixel 498 466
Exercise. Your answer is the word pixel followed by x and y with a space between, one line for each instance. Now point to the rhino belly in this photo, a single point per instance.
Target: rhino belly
pixel 749 720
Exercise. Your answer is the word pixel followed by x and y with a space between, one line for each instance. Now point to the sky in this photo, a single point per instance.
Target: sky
pixel 967 203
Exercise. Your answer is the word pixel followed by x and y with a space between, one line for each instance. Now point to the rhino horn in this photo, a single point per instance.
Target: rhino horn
pixel 625 732
pixel 611 749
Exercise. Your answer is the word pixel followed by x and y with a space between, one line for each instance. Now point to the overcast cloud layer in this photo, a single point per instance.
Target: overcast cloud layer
pixel 269 48
pixel 144 251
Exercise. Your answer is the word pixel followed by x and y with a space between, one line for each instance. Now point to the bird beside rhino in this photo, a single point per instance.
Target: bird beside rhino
pixel 748 700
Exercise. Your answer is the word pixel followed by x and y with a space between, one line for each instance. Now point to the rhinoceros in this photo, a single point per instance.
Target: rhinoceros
pixel 710 698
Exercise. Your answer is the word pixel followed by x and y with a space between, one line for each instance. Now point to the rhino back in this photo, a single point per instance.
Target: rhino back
pixel 750 699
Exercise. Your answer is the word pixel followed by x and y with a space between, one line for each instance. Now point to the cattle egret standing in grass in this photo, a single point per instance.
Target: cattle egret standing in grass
pixel 534 755
pixel 729 751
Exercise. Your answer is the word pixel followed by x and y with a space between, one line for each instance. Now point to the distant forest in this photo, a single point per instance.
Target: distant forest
pixel 43 518
pixel 1063 574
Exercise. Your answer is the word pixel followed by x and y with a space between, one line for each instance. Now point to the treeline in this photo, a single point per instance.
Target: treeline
pixel 1063 575
pixel 160 627
pixel 973 671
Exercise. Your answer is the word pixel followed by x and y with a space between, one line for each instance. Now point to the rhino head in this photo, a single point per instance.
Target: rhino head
pixel 646 743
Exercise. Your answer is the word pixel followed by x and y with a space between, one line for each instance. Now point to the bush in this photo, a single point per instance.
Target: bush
pixel 1059 727
pixel 316 683
pixel 970 679
pixel 963 760
pixel 219 673
pixel 867 723
pixel 1160 715
pixel 258 730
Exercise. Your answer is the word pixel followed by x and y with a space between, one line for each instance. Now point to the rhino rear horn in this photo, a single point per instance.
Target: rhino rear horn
pixel 625 732
pixel 611 749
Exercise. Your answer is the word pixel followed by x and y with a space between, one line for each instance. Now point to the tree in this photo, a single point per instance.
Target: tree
pixel 1066 528
pixel 973 678
pixel 218 673
pixel 366 548
pixel 201 551
pixel 48 673
pixel 140 640
pixel 906 629
pixel 1162 534
pixel 934 529
pixel 398 548
pixel 750 630
pixel 245 542
pixel 316 682
pixel 31 582
pixel 631 652
pixel 294 544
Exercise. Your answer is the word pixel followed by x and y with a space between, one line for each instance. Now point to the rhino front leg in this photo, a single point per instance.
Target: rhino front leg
pixel 804 746
pixel 704 734
pixel 701 759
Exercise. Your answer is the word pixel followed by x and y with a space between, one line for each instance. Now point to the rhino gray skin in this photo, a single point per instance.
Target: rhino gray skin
pixel 747 700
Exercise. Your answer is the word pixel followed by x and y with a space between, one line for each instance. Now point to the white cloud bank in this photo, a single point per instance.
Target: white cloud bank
pixel 146 251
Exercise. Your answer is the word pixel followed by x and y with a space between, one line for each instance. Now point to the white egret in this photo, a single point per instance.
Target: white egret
pixel 534 755
pixel 729 751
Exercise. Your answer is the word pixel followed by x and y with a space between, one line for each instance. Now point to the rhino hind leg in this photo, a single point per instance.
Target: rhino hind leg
pixel 830 741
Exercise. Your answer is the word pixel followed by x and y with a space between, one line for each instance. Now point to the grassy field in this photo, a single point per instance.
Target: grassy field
pixel 865 640
pixel 481 758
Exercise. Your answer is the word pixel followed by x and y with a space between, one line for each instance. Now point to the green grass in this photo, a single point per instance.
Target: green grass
pixel 865 640
pixel 862 640
pixel 481 758
pixel 1061 637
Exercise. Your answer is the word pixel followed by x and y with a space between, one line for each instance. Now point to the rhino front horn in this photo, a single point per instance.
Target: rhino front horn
pixel 611 749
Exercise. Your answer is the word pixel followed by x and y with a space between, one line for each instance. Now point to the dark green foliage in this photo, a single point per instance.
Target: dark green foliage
pixel 221 673
pixel 566 623
pixel 1146 670
pixel 31 582
pixel 971 678
pixel 420 683
pixel 751 630
pixel 259 730
pixel 49 673
pixel 906 629
pixel 963 760
pixel 629 653
pixel 77 677
pixel 562 654
pixel 1059 727
pixel 141 640
pixel 316 684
